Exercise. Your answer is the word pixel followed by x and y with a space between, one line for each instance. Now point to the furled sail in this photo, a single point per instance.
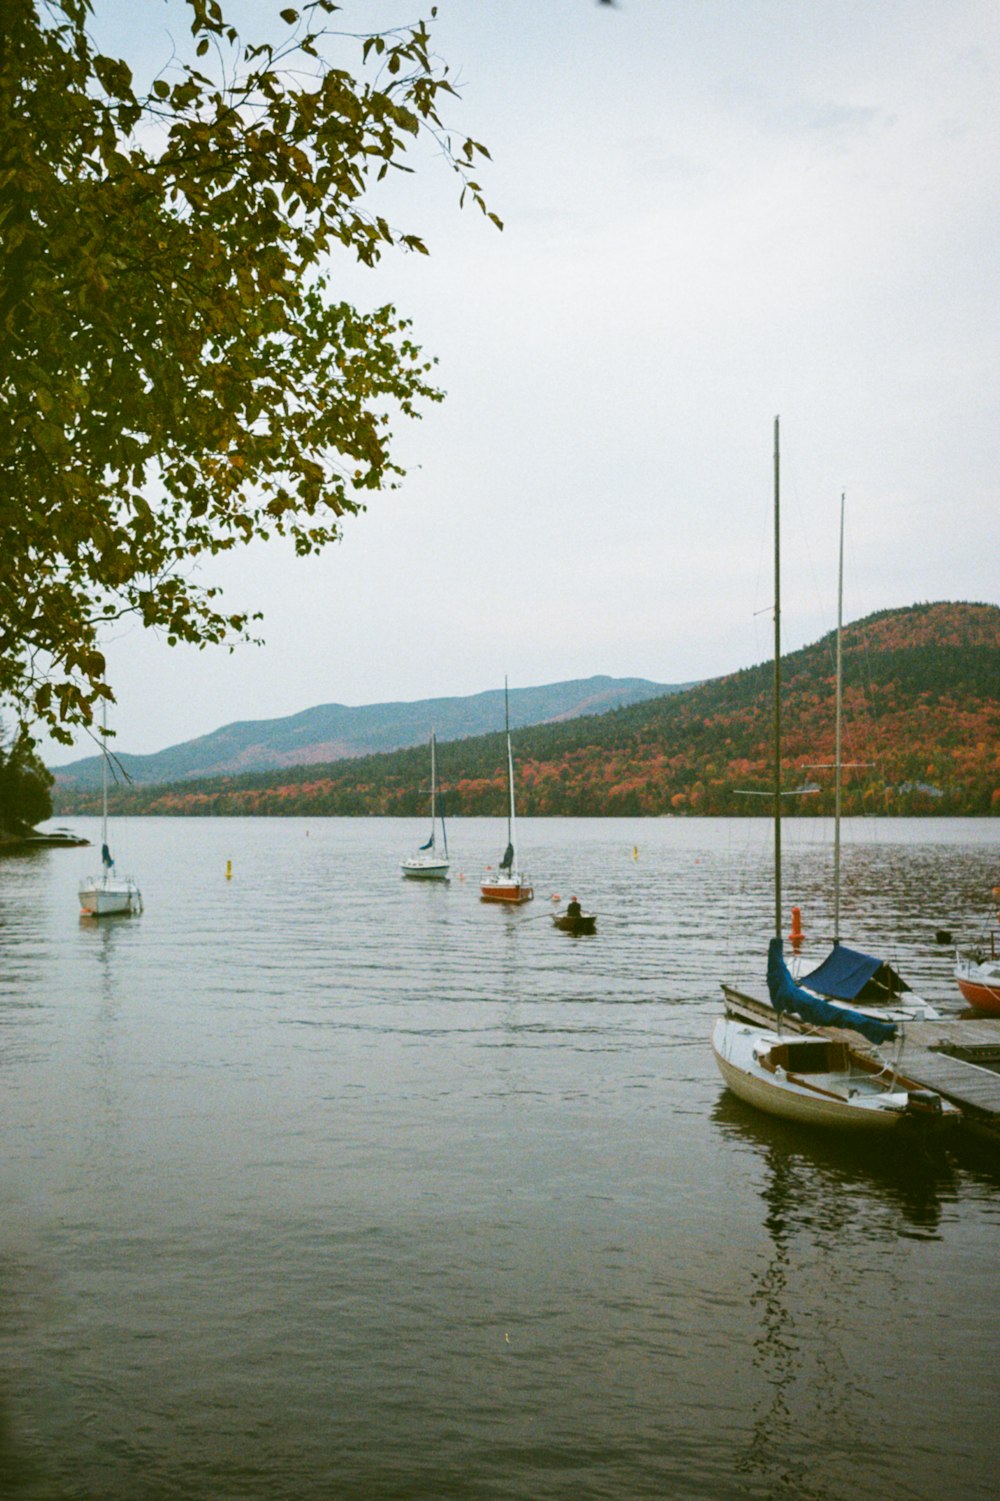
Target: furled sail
pixel 787 996
pixel 106 859
pixel 508 859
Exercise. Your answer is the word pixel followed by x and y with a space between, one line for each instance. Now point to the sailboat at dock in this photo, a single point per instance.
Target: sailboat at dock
pixel 510 884
pixel 430 864
pixel 108 893
pixel 816 1080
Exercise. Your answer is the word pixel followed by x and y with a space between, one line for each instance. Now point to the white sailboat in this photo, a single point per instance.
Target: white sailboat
pixel 813 1080
pixel 430 864
pixel 820 1081
pixel 108 893
pixel 510 883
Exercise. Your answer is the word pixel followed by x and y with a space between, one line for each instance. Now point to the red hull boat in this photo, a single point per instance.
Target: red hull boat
pixel 511 885
pixel 505 891
pixel 980 984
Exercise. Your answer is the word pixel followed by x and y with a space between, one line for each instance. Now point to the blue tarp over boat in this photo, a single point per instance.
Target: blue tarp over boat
pixel 847 975
pixel 787 996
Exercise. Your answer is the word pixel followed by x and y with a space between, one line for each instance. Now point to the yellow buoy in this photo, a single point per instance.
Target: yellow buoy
pixel 229 870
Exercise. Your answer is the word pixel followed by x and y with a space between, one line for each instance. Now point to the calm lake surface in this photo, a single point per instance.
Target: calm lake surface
pixel 317 1183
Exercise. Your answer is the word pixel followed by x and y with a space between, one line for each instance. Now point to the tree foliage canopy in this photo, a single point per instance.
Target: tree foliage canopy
pixel 25 796
pixel 177 376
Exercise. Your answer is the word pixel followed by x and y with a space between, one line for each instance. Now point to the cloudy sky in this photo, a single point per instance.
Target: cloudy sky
pixel 715 211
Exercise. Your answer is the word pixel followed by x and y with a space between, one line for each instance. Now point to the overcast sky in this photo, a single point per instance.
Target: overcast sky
pixel 715 211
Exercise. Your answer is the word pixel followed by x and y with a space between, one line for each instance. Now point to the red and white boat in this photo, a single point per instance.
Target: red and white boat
pixel 979 982
pixel 509 883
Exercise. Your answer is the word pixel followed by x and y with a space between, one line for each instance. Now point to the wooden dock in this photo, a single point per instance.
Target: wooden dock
pixel 958 1057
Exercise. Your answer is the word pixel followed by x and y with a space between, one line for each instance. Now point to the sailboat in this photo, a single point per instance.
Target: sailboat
pixel 847 976
pixel 820 1081
pixel 427 864
pixel 814 1079
pixel 108 893
pixel 511 884
pixel 978 976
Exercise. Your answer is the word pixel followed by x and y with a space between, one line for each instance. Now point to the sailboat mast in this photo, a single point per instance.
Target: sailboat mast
pixel 777 684
pixel 444 831
pixel 433 789
pixel 104 779
pixel 510 769
pixel 840 716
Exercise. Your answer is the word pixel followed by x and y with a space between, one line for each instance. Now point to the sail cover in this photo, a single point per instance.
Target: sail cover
pixel 508 858
pixel 787 996
pixel 847 975
pixel 106 859
pixel 429 845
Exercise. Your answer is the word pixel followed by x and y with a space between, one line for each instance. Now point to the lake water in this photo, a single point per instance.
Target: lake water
pixel 317 1183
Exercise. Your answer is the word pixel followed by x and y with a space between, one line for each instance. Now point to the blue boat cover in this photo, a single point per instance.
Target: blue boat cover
pixel 787 996
pixel 847 975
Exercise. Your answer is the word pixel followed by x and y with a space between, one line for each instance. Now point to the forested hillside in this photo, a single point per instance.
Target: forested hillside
pixel 922 716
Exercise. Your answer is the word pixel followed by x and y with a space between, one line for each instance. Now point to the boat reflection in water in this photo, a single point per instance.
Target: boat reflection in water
pixel 834 1218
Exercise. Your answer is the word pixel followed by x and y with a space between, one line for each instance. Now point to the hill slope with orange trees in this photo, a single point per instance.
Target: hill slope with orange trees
pixel 921 712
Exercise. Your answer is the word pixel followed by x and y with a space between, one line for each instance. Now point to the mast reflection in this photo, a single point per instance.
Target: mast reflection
pixel 833 1213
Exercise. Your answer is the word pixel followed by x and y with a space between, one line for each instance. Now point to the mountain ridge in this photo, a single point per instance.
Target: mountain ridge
pixel 334 732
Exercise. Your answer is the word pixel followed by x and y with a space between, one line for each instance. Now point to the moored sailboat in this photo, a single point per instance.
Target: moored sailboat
pixel 429 863
pixel 510 883
pixel 815 1080
pixel 979 981
pixel 822 1081
pixel 108 893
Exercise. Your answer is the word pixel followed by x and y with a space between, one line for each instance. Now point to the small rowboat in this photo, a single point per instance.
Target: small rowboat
pixel 582 922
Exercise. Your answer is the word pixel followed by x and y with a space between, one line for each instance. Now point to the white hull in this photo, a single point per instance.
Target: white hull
pixel 104 898
pixel 850 1095
pixel 107 894
pixel 426 868
pixel 427 864
pixel 913 1009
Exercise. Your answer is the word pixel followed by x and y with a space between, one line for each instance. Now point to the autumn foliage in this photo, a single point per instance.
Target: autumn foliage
pixel 921 734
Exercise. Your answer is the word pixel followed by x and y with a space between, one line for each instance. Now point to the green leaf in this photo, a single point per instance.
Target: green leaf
pixel 184 378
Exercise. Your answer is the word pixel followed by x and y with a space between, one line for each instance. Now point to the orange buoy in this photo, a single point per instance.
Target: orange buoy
pixel 796 936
